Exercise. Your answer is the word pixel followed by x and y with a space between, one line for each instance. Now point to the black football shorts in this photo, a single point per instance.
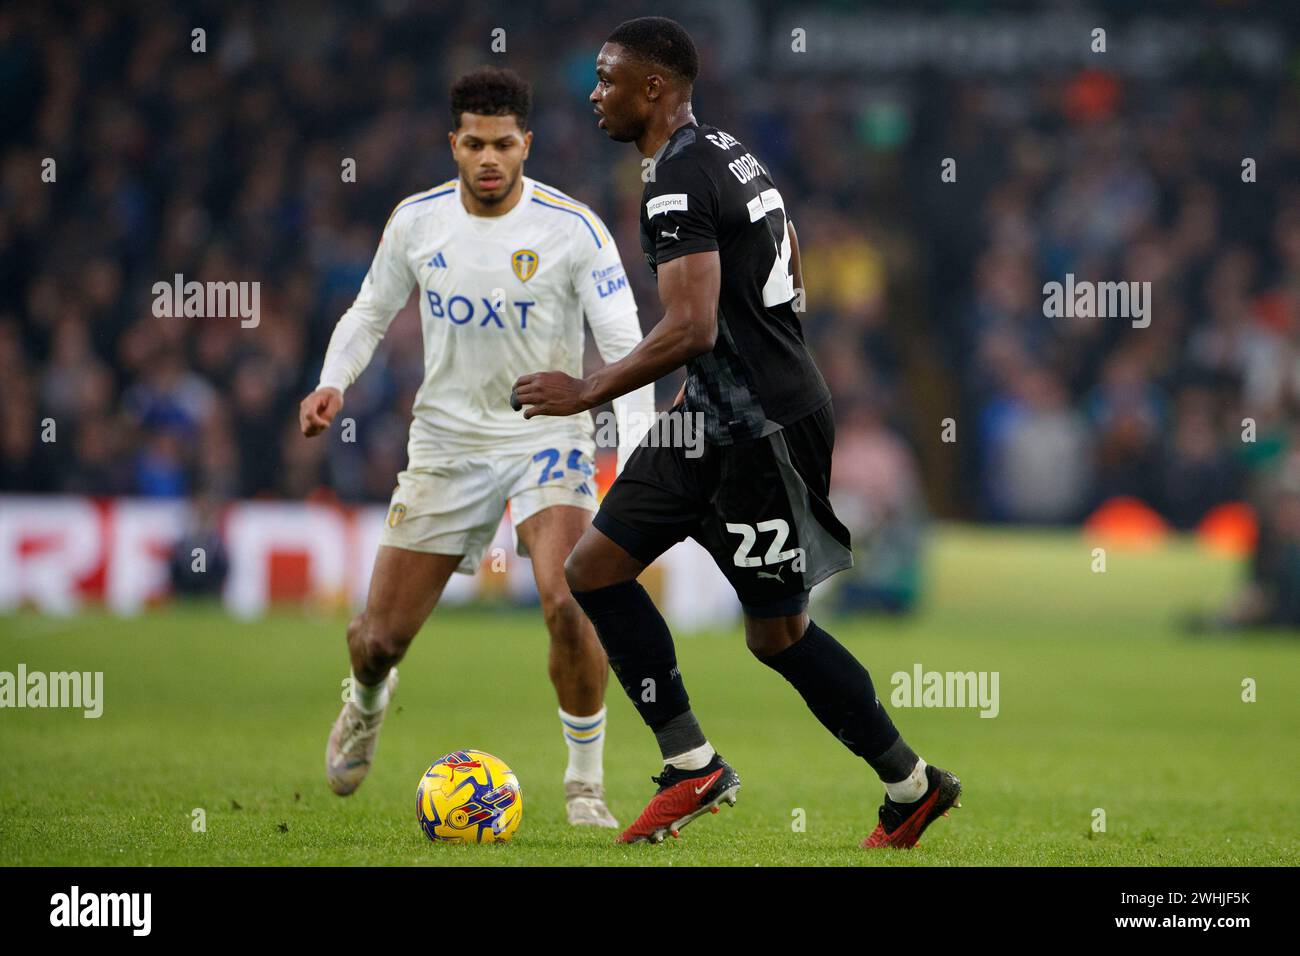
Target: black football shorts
pixel 761 508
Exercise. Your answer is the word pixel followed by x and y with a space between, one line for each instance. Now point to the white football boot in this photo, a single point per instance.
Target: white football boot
pixel 352 743
pixel 585 804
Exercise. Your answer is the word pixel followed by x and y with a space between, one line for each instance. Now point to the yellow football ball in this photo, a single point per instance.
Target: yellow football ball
pixel 469 797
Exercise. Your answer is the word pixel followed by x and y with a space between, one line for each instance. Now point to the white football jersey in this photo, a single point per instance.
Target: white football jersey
pixel 499 297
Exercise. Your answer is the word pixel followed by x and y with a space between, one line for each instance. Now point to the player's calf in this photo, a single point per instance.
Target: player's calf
pixel 839 692
pixel 577 663
pixel 578 669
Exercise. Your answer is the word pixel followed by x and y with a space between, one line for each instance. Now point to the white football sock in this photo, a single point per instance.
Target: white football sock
pixel 912 787
pixel 585 737
pixel 694 759
pixel 371 700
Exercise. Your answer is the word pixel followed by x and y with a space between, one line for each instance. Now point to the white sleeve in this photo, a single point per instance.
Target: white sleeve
pixel 383 293
pixel 611 312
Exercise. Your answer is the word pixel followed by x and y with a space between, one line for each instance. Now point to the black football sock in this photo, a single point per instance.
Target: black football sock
pixel 641 654
pixel 838 690
pixel 680 735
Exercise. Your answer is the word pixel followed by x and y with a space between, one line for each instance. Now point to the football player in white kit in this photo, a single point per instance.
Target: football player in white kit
pixel 505 268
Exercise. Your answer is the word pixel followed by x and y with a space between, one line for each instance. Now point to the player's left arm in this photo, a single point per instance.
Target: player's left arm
pixel 688 287
pixel 796 270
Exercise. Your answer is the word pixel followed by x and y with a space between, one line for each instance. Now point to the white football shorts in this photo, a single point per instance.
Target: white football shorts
pixel 456 506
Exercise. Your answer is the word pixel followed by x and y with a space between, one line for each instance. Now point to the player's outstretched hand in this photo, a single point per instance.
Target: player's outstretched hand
pixel 551 393
pixel 318 409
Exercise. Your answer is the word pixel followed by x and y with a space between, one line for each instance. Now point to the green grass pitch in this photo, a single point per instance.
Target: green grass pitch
pixel 1104 704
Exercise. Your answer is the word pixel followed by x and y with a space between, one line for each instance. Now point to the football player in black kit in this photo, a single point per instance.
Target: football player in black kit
pixel 716 233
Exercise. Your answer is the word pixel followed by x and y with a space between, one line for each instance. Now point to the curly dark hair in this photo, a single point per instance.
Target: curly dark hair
pixel 662 42
pixel 491 91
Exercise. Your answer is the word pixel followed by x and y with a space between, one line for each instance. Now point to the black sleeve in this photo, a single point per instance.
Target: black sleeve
pixel 682 209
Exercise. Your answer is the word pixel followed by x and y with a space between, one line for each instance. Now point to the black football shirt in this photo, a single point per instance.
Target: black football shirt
pixel 707 192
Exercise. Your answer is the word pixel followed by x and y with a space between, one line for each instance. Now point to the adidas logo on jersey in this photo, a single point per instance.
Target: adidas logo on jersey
pixel 437 262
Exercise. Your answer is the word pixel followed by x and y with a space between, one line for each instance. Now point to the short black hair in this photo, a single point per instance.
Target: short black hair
pixel 660 41
pixel 491 91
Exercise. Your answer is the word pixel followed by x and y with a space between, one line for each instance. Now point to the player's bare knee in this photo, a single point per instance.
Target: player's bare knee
pixel 598 565
pixel 383 641
pixel 356 632
pixel 562 615
pixel 354 629
pixel 761 644
pixel 576 570
pixel 389 645
pixel 768 636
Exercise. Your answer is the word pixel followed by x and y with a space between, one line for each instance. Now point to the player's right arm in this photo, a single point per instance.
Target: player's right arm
pixel 682 217
pixel 383 293
pixel 688 289
pixel 317 410
pixel 682 206
pixel 796 270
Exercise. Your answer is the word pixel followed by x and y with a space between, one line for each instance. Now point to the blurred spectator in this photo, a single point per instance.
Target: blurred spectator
pixel 1039 451
pixel 876 492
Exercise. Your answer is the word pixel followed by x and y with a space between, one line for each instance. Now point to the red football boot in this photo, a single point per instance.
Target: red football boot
pixel 901 824
pixel 683 795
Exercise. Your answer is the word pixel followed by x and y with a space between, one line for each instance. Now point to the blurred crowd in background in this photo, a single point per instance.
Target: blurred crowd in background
pixel 925 297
